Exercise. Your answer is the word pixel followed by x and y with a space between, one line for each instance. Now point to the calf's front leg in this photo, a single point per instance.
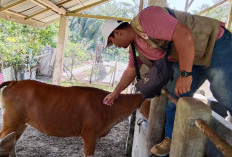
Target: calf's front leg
pixel 89 145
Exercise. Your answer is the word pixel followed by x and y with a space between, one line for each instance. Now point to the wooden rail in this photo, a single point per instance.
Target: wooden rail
pixel 219 143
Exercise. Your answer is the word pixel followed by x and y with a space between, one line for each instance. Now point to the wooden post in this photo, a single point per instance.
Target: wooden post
pixel 91 73
pixel 58 69
pixel 141 5
pixel 228 23
pixel 71 73
pixel 130 137
pixel 188 140
pixel 115 69
pixel 156 121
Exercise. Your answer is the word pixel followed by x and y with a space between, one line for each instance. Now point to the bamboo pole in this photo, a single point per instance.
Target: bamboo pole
pixel 203 11
pixel 98 17
pixel 169 96
pixel 219 143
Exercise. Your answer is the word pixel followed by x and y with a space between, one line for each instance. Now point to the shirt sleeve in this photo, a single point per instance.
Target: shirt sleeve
pixel 157 23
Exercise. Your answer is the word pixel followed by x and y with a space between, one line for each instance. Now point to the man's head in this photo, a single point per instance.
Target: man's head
pixel 118 33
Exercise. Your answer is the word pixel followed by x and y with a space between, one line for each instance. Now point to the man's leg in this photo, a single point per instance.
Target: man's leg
pixel 163 148
pixel 219 73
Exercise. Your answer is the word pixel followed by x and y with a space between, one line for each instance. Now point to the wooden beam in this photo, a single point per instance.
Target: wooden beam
pixel 14 13
pixel 51 22
pixel 45 10
pixel 54 7
pixel 98 17
pixel 23 16
pixel 64 2
pixel 81 3
pixel 203 11
pixel 89 6
pixel 7 15
pixel 12 5
pixel 40 12
pixel 42 6
pixel 63 33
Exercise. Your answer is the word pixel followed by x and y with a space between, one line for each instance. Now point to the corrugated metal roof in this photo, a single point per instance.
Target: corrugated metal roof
pixel 39 13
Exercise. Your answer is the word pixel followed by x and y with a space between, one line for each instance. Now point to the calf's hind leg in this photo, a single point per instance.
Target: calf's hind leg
pixel 13 127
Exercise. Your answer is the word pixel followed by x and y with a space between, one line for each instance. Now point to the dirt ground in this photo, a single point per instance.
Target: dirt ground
pixel 33 143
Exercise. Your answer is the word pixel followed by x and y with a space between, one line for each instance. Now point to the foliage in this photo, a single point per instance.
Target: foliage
pixel 90 29
pixel 70 83
pixel 77 51
pixel 18 41
pixel 220 12
pixel 113 52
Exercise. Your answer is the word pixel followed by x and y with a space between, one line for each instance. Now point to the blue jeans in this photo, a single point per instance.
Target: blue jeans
pixel 219 75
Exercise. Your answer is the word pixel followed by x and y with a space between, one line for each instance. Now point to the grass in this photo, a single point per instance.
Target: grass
pixel 104 87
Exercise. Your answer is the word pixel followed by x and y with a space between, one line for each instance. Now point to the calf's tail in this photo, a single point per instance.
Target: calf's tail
pixel 5 84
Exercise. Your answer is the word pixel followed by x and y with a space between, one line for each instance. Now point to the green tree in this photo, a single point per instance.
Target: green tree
pixel 76 53
pixel 17 41
pixel 87 28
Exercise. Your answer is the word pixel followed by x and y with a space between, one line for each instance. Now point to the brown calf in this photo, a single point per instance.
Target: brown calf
pixel 60 111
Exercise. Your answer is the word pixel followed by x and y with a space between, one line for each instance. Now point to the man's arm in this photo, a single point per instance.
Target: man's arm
pixel 126 79
pixel 184 43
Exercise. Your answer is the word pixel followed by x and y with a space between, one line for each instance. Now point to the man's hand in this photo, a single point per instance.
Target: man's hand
pixel 109 99
pixel 127 77
pixel 183 85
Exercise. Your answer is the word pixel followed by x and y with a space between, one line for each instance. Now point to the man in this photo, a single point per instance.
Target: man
pixel 202 50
